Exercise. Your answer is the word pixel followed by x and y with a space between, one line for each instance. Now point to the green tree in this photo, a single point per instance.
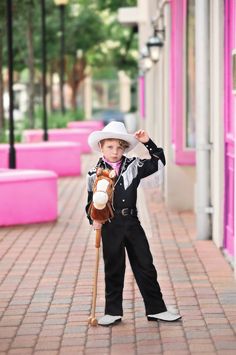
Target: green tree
pixel 24 20
pixel 23 48
pixel 93 30
pixel 123 54
pixel 104 42
pixel 84 33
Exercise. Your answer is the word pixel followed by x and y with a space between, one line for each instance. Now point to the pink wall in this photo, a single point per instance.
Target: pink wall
pixel 229 123
pixel 142 95
pixel 183 155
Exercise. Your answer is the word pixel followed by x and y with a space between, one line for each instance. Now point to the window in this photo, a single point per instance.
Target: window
pixel 182 81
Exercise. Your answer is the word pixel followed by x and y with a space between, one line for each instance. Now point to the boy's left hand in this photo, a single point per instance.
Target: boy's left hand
pixel 141 136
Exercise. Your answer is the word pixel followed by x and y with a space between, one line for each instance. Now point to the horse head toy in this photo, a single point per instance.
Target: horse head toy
pixel 101 206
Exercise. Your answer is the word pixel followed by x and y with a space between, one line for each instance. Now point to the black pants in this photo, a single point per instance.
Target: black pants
pixel 126 232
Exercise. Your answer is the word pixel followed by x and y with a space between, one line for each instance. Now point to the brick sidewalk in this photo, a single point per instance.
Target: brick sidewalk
pixel 46 276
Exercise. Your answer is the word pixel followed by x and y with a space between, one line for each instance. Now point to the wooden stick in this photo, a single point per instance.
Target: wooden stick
pixel 92 318
pixel 98 238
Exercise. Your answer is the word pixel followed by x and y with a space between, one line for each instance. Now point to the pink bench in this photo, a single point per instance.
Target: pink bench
pixel 79 135
pixel 61 157
pixel 93 125
pixel 27 196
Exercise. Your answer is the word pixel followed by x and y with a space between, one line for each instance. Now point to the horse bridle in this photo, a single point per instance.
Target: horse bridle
pixel 111 183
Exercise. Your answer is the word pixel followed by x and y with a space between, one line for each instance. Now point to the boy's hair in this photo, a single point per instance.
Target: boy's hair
pixel 124 145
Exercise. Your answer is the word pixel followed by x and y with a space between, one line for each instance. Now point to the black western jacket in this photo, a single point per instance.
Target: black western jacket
pixel 132 170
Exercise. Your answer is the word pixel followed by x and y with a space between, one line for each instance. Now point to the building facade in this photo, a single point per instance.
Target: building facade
pixel 188 101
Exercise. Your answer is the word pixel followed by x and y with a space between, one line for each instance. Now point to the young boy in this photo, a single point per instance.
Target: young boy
pixel 124 231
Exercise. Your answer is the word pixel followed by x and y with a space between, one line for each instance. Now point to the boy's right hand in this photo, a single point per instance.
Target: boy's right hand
pixel 97 225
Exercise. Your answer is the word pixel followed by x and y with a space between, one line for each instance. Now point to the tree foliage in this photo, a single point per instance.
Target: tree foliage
pixel 90 26
pixel 90 30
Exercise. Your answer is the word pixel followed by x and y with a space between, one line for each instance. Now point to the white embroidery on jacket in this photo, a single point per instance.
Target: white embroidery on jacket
pixel 131 172
pixel 160 165
pixel 90 180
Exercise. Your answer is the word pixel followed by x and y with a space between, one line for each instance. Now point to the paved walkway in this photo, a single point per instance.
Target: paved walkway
pixel 46 276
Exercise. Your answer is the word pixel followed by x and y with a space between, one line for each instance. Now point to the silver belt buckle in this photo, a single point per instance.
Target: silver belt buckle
pixel 125 212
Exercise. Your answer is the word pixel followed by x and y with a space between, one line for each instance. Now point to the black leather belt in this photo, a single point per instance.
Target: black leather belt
pixel 127 212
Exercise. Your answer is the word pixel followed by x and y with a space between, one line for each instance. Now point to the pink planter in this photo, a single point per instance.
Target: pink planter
pixel 79 135
pixel 27 196
pixel 94 125
pixel 61 157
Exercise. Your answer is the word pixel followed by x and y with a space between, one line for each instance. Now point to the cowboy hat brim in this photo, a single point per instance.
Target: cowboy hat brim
pixel 95 137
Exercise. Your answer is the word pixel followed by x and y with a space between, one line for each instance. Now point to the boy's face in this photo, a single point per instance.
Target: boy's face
pixel 112 150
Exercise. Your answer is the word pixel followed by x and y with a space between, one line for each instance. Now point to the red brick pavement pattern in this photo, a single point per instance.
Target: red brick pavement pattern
pixel 46 276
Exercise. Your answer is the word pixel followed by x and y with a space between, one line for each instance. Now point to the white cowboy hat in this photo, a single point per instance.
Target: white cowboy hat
pixel 114 130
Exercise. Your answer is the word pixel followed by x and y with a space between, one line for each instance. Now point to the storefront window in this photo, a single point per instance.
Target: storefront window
pixel 190 75
pixel 182 66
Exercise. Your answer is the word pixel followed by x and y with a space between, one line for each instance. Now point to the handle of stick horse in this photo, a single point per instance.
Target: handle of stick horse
pixel 92 318
pixel 98 238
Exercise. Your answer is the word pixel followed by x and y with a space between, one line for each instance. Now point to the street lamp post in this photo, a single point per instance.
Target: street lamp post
pixel 44 72
pixel 61 4
pixel 12 152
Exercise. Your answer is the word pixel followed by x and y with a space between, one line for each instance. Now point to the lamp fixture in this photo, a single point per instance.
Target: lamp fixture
pixel 145 60
pixel 154 44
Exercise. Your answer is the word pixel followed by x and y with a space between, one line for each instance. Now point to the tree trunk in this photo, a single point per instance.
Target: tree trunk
pixel 1 87
pixel 31 65
pixel 75 77
pixel 74 84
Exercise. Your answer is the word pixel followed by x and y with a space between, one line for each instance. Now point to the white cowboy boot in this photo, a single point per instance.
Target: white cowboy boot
pixel 109 320
pixel 166 316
